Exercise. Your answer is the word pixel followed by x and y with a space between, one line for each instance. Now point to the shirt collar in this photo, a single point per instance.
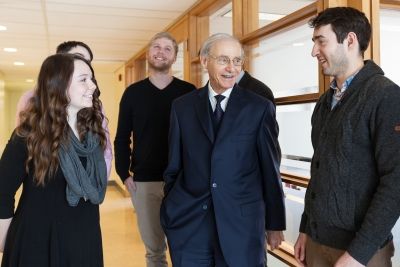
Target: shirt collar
pixel 338 93
pixel 345 85
pixel 213 101
pixel 212 93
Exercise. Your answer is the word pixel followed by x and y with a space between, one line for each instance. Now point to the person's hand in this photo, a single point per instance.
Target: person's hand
pixel 300 249
pixel 130 184
pixel 274 239
pixel 347 261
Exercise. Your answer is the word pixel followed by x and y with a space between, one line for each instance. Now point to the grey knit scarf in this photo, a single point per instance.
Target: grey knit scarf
pixel 90 182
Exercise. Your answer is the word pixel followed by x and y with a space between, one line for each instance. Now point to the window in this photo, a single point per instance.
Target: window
pixel 284 62
pixel 296 152
pixel 294 203
pixel 221 20
pixel 178 67
pixel 272 10
pixel 390 36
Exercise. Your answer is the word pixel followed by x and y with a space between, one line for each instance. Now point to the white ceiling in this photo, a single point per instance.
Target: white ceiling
pixel 115 30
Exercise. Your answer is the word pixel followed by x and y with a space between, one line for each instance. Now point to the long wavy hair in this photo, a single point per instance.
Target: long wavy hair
pixel 44 122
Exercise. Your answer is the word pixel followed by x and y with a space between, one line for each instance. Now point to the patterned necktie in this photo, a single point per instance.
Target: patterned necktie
pixel 218 112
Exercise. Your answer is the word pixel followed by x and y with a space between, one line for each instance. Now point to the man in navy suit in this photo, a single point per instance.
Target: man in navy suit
pixel 222 184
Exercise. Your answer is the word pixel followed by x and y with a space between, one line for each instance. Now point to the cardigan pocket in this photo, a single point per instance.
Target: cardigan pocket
pixel 341 208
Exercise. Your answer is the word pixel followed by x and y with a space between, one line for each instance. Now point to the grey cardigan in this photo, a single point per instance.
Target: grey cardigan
pixel 353 198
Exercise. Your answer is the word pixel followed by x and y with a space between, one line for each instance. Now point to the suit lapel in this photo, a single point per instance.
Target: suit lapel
pixel 235 105
pixel 203 113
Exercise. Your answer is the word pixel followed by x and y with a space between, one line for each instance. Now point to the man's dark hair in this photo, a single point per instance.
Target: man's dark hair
pixel 65 47
pixel 344 20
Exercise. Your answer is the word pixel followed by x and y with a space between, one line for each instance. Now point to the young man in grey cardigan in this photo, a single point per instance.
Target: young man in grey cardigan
pixel 352 201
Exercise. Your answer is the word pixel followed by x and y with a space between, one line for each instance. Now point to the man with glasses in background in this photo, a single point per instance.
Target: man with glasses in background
pixel 222 185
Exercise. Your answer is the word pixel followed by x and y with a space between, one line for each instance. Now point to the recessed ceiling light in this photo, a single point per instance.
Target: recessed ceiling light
pixel 10 49
pixel 18 63
pixel 3 28
pixel 29 80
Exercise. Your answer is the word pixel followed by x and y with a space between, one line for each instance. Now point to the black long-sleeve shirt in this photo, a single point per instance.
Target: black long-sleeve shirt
pixel 144 119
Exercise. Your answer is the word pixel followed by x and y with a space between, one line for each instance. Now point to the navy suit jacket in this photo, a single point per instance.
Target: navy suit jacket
pixel 236 171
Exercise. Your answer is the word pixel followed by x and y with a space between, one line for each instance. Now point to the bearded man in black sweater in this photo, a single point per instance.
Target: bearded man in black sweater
pixel 141 142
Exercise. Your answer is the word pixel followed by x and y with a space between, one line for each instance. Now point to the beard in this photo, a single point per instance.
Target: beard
pixel 338 63
pixel 161 67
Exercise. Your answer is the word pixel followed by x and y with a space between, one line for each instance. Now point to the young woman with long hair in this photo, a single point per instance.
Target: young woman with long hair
pixel 57 153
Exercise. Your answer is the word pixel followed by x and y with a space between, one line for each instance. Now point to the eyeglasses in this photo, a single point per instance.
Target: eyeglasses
pixel 224 60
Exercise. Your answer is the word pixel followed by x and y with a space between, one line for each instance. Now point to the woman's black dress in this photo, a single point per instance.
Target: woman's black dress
pixel 45 230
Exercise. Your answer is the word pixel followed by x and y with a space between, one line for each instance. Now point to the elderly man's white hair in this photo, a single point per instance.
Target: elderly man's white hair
pixel 205 49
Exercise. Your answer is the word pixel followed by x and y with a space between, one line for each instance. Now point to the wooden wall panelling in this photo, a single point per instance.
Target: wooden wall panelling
pixel 199 32
pixel 193 48
pixel 250 10
pixel 237 18
pixel 208 7
pixel 281 24
pixel 392 4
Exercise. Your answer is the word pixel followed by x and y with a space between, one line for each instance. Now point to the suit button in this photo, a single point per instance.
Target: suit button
pixel 313 195
pixel 317 164
pixel 205 207
pixel 214 185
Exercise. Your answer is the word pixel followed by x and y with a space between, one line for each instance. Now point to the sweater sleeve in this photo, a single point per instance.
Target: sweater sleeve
pixel 12 173
pixel 122 140
pixel 383 210
pixel 303 223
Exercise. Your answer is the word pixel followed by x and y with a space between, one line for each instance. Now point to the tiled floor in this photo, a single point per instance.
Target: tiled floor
pixel 122 246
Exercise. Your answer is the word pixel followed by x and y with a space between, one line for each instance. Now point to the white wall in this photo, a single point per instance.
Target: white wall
pixel 3 131
pixel 111 91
